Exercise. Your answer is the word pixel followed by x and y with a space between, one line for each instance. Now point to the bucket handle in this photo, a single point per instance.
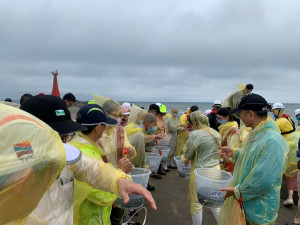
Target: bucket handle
pixel 214 153
pixel 136 213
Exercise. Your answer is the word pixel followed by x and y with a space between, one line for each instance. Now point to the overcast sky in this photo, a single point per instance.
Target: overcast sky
pixel 150 50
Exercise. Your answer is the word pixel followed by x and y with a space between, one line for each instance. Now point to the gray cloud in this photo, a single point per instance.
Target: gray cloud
pixel 150 50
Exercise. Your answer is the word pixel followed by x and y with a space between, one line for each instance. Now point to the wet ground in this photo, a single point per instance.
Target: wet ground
pixel 173 206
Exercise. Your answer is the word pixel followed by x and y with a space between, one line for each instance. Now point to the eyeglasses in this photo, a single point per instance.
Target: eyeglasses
pixel 117 115
pixel 67 137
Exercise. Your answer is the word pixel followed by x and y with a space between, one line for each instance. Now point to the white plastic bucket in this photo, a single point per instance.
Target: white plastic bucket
pixel 139 176
pixel 184 171
pixel 153 161
pixel 209 181
pixel 165 141
pixel 164 151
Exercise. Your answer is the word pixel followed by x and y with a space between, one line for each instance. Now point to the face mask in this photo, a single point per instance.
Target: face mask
pixel 222 121
pixel 149 131
pixel 297 117
pixel 119 121
pixel 141 122
pixel 275 115
pixel 174 115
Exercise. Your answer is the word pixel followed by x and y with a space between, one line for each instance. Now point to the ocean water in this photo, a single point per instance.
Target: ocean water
pixel 182 106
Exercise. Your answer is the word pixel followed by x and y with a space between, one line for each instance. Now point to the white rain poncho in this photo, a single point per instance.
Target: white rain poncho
pixel 32 158
pixel 201 143
pixel 257 175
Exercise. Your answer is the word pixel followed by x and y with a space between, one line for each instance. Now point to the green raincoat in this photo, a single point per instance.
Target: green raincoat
pixel 260 163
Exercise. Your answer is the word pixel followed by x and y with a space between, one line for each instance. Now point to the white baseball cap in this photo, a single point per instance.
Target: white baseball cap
pixel 297 111
pixel 208 111
pixel 277 106
pixel 73 154
pixel 159 104
pixel 217 102
pixel 127 105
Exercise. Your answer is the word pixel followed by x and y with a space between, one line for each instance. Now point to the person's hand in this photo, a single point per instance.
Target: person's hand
pixel 225 152
pixel 127 187
pixel 130 151
pixel 125 165
pixel 158 136
pixel 229 192
pixel 182 125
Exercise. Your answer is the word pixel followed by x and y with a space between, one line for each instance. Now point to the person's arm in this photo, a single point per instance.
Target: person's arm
pixel 131 150
pixel 266 171
pixel 183 120
pixel 190 148
pixel 149 138
pixel 98 174
pixel 172 126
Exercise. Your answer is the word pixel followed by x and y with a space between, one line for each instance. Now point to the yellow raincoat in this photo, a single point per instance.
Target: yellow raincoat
pixel 292 140
pixel 183 136
pixel 230 135
pixel 233 100
pixel 286 125
pixel 136 136
pixel 257 175
pixel 32 156
pixel 113 142
pixel 91 206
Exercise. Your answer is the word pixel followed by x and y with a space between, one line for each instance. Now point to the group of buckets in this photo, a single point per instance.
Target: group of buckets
pixel 209 180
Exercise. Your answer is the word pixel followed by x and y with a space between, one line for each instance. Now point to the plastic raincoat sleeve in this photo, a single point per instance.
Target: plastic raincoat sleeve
pixel 233 99
pixel 184 120
pixel 98 174
pixel 138 142
pixel 190 148
pixel 127 144
pixel 172 126
pixel 291 169
pixel 263 175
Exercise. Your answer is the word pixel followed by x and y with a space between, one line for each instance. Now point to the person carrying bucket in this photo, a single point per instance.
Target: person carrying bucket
pixel 202 142
pixel 259 166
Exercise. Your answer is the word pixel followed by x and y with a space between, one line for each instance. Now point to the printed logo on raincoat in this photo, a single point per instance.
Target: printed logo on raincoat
pixel 23 150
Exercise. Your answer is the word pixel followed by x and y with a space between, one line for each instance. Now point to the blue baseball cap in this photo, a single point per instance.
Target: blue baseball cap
pixel 93 114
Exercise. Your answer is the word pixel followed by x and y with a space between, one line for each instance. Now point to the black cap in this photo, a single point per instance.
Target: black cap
pixel 154 107
pixel 252 102
pixel 93 114
pixel 53 111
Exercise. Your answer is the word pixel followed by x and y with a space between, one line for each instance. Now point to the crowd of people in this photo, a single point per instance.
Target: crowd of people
pixel 108 139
